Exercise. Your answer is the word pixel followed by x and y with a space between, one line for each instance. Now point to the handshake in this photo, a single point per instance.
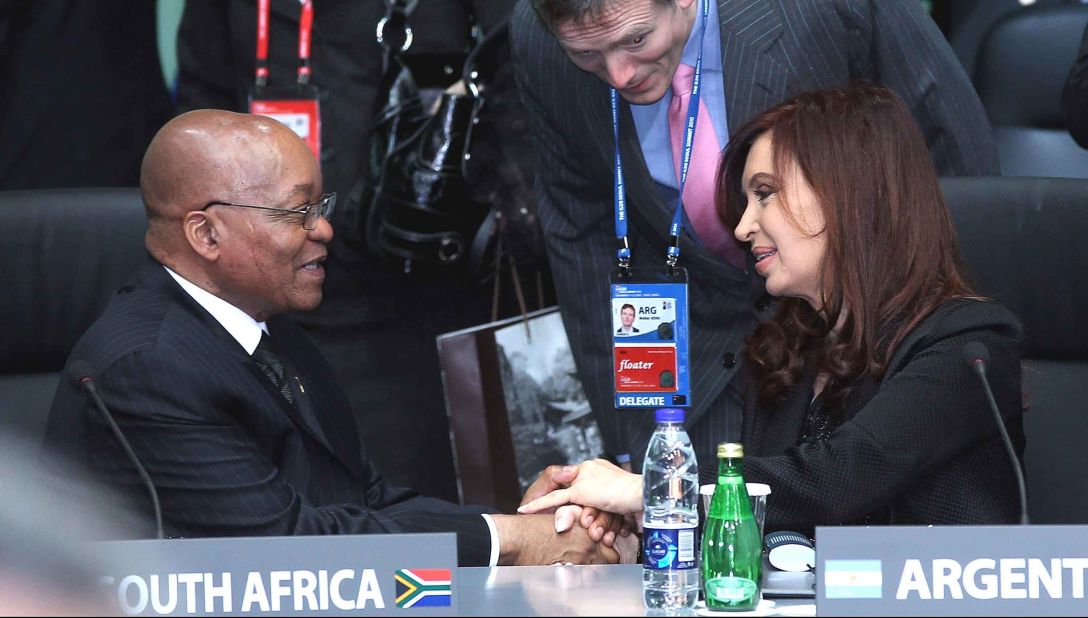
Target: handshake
pixel 594 508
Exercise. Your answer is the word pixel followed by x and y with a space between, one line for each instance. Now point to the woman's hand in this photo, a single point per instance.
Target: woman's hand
pixel 595 483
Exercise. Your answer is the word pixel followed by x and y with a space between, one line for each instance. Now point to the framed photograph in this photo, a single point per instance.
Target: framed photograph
pixel 515 406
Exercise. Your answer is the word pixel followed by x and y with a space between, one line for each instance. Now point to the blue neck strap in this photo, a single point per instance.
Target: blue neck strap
pixel 620 196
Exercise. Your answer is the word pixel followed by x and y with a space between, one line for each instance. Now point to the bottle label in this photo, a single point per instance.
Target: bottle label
pixel 671 548
pixel 730 590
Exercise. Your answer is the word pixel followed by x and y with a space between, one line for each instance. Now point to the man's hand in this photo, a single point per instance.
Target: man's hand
pixel 552 478
pixel 603 526
pixel 532 540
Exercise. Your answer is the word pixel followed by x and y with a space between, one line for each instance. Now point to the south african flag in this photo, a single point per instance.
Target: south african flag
pixel 423 588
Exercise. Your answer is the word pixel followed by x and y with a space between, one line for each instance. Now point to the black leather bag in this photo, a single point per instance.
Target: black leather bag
pixel 422 210
pixel 452 191
pixel 416 210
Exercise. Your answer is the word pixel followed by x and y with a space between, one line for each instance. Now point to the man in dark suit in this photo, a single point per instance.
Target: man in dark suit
pixel 755 53
pixel 231 408
pixel 376 322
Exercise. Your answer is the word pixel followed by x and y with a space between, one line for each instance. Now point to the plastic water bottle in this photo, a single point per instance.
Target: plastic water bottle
pixel 670 519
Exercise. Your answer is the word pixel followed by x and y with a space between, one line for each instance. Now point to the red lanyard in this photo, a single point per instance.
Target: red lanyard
pixel 305 27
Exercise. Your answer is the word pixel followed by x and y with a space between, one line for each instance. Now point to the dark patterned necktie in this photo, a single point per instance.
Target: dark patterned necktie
pixel 272 366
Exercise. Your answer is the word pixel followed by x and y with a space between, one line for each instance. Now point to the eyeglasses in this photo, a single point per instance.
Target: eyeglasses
pixel 310 212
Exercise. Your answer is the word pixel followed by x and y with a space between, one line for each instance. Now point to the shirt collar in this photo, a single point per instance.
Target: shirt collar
pixel 712 59
pixel 238 323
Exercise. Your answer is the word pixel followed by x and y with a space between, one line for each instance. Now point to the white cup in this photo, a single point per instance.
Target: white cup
pixel 758 492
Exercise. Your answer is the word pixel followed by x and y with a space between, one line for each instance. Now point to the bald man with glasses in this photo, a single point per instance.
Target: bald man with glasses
pixel 230 407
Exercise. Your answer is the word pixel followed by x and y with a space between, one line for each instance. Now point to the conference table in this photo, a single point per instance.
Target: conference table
pixel 597 590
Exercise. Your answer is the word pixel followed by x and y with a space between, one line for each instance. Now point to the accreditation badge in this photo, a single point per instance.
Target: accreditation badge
pixel 299 111
pixel 650 339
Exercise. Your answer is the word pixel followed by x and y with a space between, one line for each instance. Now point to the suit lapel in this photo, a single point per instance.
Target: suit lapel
pixel 337 431
pixel 289 410
pixel 776 429
pixel 754 67
pixel 864 389
pixel 771 432
pixel 594 102
pixel 153 276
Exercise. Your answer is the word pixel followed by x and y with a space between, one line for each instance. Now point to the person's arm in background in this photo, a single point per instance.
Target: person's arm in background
pixel 901 47
pixel 206 61
pixel 1075 96
pixel 575 212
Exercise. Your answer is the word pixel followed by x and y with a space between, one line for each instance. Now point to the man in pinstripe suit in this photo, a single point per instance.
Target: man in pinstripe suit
pixel 756 53
pixel 230 407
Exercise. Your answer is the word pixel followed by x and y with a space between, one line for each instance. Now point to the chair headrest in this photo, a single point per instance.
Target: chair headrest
pixel 1023 243
pixel 1023 62
pixel 66 251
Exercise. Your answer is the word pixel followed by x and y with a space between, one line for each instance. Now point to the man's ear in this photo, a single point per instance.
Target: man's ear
pixel 202 234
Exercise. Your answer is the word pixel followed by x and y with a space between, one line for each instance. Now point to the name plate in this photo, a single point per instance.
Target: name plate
pixel 951 570
pixel 377 574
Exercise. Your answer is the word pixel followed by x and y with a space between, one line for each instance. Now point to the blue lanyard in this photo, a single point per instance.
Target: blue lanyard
pixel 620 196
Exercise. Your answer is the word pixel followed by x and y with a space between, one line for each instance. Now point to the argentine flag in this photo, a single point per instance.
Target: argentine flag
pixel 853 579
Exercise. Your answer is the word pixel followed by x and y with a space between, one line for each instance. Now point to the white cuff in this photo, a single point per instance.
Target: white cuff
pixel 494 560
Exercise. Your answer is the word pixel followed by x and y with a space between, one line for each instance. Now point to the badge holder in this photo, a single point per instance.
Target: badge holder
pixel 297 107
pixel 650 338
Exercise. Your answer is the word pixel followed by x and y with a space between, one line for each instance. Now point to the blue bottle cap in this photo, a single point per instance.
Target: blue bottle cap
pixel 669 415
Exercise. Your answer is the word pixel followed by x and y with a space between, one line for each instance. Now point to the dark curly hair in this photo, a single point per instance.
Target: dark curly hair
pixel 892 255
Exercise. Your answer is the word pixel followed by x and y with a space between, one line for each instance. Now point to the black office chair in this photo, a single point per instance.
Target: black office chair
pixel 1019 73
pixel 64 253
pixel 1023 241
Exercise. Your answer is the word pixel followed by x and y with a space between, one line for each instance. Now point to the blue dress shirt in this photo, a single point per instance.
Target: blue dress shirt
pixel 652 121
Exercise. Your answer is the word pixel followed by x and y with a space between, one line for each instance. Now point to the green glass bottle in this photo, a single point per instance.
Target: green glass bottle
pixel 732 560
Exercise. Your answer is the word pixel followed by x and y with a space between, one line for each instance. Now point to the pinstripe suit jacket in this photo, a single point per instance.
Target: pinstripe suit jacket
pixel 771 50
pixel 228 454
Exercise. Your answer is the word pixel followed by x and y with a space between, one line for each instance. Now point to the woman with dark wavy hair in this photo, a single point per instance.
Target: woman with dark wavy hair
pixel 859 405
